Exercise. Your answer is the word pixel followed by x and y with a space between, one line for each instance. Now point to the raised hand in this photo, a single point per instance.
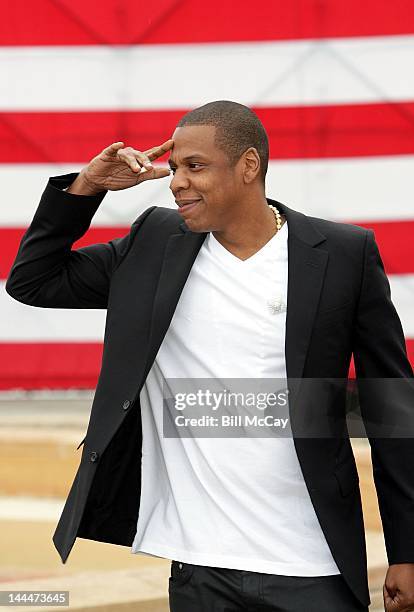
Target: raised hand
pixel 118 167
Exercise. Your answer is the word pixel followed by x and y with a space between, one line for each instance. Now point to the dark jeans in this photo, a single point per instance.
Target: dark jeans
pixel 199 588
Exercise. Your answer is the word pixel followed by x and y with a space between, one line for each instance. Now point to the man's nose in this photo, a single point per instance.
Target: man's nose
pixel 179 181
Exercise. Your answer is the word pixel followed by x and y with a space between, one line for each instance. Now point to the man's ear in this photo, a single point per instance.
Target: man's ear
pixel 251 164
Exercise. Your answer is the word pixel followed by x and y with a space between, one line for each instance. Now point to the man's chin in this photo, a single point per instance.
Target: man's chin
pixel 196 226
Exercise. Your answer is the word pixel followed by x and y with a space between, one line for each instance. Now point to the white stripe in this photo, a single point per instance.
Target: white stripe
pixel 340 189
pixel 402 295
pixel 322 71
pixel 21 323
pixel 364 189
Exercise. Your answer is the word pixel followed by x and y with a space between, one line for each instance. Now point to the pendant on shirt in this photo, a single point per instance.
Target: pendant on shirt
pixel 276 304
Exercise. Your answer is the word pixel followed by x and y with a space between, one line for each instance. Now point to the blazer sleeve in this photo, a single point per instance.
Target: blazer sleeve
pixel 47 272
pixel 381 362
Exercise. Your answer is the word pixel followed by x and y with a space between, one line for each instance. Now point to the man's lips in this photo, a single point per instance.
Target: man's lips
pixel 185 205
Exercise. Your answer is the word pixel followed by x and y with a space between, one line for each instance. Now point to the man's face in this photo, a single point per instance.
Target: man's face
pixel 203 174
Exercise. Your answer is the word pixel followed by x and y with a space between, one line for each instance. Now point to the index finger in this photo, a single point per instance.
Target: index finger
pixel 156 152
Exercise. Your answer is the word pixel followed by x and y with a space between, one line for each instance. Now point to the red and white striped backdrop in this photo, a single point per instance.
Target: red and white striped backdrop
pixel 332 81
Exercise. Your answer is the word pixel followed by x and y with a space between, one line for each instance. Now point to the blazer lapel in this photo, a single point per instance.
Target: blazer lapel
pixel 180 253
pixel 306 272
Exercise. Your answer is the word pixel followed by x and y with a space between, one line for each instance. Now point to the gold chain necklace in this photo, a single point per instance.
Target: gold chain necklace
pixel 276 304
pixel 277 216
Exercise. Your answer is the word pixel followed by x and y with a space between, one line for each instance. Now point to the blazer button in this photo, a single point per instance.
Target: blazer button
pixel 94 456
pixel 126 404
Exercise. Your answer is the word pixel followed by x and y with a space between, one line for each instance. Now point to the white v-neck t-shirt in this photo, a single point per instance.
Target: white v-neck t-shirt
pixel 238 503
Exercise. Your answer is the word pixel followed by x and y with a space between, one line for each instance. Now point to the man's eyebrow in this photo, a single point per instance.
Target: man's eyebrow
pixel 171 162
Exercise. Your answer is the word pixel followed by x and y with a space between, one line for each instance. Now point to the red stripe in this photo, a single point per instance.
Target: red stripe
pixel 69 365
pixel 394 239
pixel 298 132
pixel 49 365
pixel 83 22
pixel 410 349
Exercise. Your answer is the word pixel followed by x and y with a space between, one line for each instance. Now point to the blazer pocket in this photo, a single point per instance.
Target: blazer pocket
pixel 347 478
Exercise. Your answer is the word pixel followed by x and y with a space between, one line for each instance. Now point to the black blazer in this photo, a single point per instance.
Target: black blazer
pixel 338 304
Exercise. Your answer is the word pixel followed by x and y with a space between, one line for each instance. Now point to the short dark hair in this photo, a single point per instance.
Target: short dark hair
pixel 237 129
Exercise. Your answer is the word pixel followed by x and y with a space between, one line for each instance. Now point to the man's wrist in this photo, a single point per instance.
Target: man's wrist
pixel 80 186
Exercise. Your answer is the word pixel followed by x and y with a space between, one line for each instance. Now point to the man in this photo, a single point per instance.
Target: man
pixel 256 523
